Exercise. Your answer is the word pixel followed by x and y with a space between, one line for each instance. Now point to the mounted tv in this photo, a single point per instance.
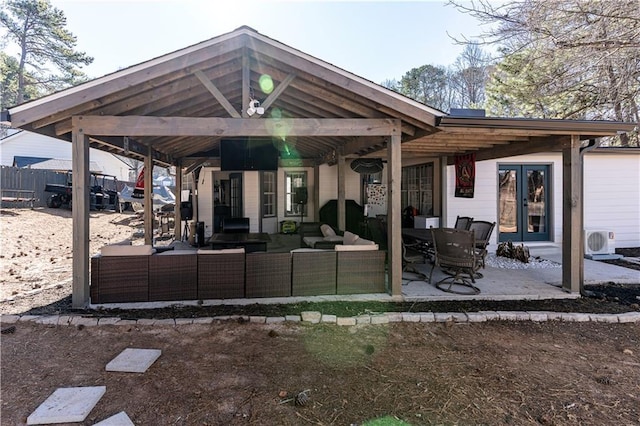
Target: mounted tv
pixel 248 154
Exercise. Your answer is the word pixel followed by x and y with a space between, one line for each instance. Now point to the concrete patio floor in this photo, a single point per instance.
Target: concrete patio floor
pixel 521 284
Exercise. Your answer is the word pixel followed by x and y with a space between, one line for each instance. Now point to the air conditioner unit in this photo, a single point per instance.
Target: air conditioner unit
pixel 599 242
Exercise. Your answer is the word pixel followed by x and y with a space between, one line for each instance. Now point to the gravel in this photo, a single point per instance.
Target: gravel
pixel 507 263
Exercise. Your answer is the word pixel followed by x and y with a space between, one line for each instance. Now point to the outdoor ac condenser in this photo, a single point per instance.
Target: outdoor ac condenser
pixel 599 242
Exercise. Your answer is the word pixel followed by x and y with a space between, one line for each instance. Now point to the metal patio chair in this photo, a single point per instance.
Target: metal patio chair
pixel 482 230
pixel 456 256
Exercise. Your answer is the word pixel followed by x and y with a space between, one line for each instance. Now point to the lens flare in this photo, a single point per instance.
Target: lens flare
pixel 266 84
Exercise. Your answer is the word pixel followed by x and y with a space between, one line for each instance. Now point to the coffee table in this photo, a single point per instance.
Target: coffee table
pixel 251 242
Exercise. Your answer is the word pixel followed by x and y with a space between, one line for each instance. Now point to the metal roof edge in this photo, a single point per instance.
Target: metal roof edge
pixel 537 124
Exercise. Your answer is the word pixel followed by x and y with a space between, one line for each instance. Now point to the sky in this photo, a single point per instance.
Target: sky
pixel 376 40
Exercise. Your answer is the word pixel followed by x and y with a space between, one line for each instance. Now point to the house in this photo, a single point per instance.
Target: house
pixel 272 131
pixel 36 149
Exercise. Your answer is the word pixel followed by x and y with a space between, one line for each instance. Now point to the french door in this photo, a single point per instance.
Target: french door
pixel 523 202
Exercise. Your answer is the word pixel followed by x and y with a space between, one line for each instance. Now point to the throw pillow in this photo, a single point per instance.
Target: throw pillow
pixel 327 231
pixel 350 238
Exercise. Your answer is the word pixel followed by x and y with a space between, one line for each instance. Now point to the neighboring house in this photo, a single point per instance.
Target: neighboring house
pixel 22 143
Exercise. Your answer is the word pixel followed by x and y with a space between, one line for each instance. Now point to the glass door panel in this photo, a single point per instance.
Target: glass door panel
pixel 523 207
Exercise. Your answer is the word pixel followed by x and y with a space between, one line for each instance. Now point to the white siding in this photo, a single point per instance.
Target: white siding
pixel 612 195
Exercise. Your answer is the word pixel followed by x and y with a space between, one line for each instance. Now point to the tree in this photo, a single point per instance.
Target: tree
pixel 576 59
pixel 9 82
pixel 471 71
pixel 427 84
pixel 48 60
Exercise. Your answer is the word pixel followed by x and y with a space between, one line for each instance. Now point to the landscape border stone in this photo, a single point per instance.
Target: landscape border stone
pixel 317 317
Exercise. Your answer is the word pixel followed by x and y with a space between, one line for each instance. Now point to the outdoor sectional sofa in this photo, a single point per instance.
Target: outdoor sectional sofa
pixel 123 274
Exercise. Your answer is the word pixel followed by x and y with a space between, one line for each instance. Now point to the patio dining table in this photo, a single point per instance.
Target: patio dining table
pixel 251 242
pixel 418 234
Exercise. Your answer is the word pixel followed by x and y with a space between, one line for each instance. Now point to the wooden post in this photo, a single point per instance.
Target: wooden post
pixel 342 211
pixel 177 221
pixel 316 194
pixel 394 225
pixel 80 199
pixel 572 247
pixel 148 197
pixel 444 187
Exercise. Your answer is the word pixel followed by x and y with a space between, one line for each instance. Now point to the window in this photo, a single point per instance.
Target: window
pixel 292 181
pixel 268 194
pixel 417 188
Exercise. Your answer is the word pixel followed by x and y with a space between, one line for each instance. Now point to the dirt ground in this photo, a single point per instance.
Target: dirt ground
pixel 498 373
pixel 237 373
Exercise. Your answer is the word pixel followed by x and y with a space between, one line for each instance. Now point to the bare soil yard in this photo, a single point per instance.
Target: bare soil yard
pixel 240 373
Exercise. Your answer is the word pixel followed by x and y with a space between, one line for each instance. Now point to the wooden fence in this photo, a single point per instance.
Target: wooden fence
pixel 14 178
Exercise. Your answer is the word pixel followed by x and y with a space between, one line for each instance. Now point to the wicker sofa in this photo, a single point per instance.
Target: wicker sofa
pixel 137 274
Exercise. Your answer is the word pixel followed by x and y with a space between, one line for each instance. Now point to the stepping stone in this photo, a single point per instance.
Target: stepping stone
pixel 120 419
pixel 67 405
pixel 134 360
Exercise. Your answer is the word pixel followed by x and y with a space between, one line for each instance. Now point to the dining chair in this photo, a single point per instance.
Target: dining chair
pixel 482 230
pixel 463 222
pixel 456 256
pixel 411 256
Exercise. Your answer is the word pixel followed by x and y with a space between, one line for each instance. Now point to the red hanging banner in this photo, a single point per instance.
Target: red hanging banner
pixel 465 175
pixel 138 191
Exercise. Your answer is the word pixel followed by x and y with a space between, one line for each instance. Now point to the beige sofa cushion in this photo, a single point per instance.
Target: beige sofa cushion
pixel 350 238
pixel 126 250
pixel 363 242
pixel 223 251
pixel 176 252
pixel 357 247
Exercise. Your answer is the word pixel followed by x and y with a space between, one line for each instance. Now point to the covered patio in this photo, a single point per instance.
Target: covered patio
pixel 174 111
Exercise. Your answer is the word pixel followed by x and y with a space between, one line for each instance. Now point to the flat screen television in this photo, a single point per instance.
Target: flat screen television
pixel 248 154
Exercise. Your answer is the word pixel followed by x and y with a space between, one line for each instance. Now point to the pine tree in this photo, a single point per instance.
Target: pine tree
pixel 47 58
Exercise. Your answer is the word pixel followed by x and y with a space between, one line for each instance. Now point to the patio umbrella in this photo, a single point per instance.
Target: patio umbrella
pixel 138 191
pixel 367 165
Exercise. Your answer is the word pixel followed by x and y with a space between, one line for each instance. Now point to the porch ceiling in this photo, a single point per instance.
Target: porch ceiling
pixel 217 78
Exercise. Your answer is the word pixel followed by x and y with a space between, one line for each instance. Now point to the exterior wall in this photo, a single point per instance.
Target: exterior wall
pixel 329 184
pixel 30 144
pixel 251 195
pixel 611 195
pixel 205 199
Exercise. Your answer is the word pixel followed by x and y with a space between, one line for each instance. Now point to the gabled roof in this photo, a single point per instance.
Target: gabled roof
pixel 206 80
pixel 218 77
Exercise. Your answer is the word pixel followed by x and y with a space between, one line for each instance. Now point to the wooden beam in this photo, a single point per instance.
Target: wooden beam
pixel 216 94
pixel 394 215
pixel 80 198
pixel 226 127
pixel 546 144
pixel 342 210
pixel 246 81
pixel 135 147
pixel 148 197
pixel 177 212
pixel 572 244
pixel 278 91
